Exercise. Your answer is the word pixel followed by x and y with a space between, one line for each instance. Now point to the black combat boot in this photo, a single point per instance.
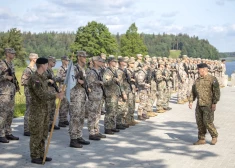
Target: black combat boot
pixel 82 141
pixel 108 131
pixel 4 140
pixel 37 161
pixel 26 133
pixel 12 137
pixel 48 159
pixel 101 135
pixel 94 137
pixel 61 124
pixel 66 122
pixel 115 130
pixel 140 118
pixel 121 127
pixel 74 144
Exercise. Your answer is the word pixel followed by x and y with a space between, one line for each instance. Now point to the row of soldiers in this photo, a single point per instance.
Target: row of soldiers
pixel 114 83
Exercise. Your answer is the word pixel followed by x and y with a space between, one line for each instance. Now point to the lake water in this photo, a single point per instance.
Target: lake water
pixel 230 66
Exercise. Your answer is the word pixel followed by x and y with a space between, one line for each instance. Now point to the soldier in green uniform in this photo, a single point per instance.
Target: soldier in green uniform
pixel 39 114
pixel 207 91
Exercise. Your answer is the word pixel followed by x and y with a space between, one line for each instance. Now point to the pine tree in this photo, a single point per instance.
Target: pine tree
pixel 132 43
pixel 13 39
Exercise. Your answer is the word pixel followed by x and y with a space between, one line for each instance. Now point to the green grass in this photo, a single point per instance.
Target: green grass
pixel 174 53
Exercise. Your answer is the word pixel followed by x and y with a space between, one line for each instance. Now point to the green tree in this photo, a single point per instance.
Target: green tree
pixel 13 39
pixel 132 43
pixel 94 38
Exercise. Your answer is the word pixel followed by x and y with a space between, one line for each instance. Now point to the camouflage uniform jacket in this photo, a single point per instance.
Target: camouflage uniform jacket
pixel 141 80
pixel 168 77
pixel 160 79
pixel 123 81
pixel 206 90
pixel 25 77
pixel 131 74
pixel 110 86
pixel 6 86
pixel 181 72
pixel 38 90
pixel 61 75
pixel 92 82
pixel 49 73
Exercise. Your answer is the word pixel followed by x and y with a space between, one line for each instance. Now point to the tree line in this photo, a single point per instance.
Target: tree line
pixel 95 38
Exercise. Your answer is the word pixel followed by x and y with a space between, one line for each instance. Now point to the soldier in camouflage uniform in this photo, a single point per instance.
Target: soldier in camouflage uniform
pixel 53 88
pixel 7 96
pixel 39 114
pixel 206 89
pixel 24 82
pixel 112 92
pixel 139 62
pixel 169 84
pixel 143 89
pixel 64 107
pixel 78 97
pixel 94 103
pixel 123 99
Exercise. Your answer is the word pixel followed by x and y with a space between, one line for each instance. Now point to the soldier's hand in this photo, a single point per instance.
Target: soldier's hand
pixel 190 105
pixel 147 85
pixel 213 107
pixel 80 81
pixel 115 79
pixel 50 81
pixel 9 78
pixel 125 97
pixel 60 95
pixel 133 80
pixel 89 89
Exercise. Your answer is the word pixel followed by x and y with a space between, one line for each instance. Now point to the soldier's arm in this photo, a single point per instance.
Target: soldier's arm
pixel 192 96
pixel 91 79
pixel 108 79
pixel 215 91
pixel 3 74
pixel 36 86
pixel 141 79
pixel 60 77
pixel 120 78
pixel 25 76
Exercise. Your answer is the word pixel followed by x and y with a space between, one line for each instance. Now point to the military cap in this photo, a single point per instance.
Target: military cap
pixel 139 55
pixel 202 65
pixel 119 56
pixel 98 58
pixel 33 55
pixel 123 59
pixel 146 56
pixel 81 54
pixel 65 58
pixel 132 58
pixel 103 55
pixel 42 60
pixel 10 50
pixel 131 61
pixel 111 56
pixel 110 59
pixel 161 63
pixel 154 58
pixel 51 58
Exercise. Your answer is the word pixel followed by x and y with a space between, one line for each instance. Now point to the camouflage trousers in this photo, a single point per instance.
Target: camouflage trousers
pixel 162 99
pixel 190 84
pixel 51 110
pixel 143 96
pixel 64 110
pixel 182 91
pixel 131 108
pixel 111 107
pixel 122 110
pixel 26 114
pixel 77 117
pixel 204 118
pixel 94 113
pixel 7 103
pixel 38 126
pixel 151 99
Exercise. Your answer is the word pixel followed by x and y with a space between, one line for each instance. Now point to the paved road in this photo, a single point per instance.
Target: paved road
pixel 163 141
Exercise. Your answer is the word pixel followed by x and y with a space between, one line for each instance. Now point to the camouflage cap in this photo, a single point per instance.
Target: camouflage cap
pixel 154 58
pixel 81 54
pixel 131 61
pixel 65 58
pixel 146 56
pixel 33 55
pixel 111 56
pixel 123 59
pixel 10 50
pixel 119 56
pixel 161 63
pixel 139 55
pixel 132 58
pixel 112 59
pixel 98 58
pixel 51 58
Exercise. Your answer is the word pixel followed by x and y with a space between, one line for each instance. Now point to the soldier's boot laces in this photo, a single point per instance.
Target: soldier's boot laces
pixel 214 141
pixel 74 144
pixel 200 142
pixel 4 140
pixel 12 137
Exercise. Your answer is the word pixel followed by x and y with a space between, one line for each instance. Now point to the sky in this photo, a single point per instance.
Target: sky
pixel 208 19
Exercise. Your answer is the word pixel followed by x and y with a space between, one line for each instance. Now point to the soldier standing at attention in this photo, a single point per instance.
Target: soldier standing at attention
pixel 112 92
pixel 39 114
pixel 53 88
pixel 64 107
pixel 207 91
pixel 8 88
pixel 78 97
pixel 94 103
pixel 24 82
